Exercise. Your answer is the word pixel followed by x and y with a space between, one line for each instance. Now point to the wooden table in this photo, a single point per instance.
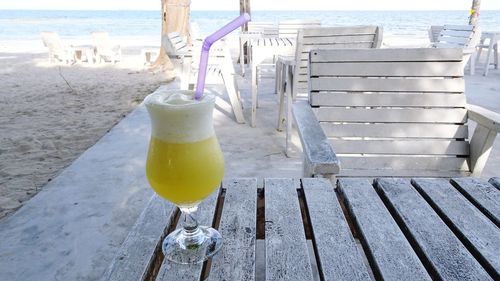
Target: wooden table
pixel 262 49
pixel 84 50
pixel 390 229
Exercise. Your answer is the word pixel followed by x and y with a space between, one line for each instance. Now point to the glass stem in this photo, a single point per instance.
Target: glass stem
pixel 190 230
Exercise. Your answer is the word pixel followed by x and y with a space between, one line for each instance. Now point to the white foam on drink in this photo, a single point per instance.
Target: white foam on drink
pixel 177 117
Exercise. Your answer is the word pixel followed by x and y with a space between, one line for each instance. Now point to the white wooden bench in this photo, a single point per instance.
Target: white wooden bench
pixel 294 75
pixel 420 229
pixel 391 112
pixel 220 66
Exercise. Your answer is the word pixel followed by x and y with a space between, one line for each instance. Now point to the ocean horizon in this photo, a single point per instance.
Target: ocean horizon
pixel 77 24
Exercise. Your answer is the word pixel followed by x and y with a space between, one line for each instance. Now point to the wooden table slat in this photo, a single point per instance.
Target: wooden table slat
pixel 444 253
pixel 138 250
pixel 172 271
pixel 477 230
pixel 236 260
pixel 339 257
pixel 495 181
pixel 482 194
pixel 287 256
pixel 389 251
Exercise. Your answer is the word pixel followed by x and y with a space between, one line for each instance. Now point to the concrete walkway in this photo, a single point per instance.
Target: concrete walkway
pixel 72 229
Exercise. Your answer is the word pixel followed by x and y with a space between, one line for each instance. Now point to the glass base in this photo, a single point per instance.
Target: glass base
pixel 195 247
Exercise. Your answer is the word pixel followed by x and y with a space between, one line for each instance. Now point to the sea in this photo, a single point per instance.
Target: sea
pixel 145 26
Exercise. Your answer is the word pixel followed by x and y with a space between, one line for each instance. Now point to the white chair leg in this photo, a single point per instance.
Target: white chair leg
pixel 230 83
pixel 289 102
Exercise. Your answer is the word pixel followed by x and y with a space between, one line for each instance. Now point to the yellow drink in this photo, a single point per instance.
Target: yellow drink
pixel 185 173
pixel 185 163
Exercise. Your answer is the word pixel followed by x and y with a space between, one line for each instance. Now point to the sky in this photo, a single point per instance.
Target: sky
pixel 255 4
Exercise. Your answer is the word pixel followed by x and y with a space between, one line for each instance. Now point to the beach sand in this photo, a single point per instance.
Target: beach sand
pixel 50 114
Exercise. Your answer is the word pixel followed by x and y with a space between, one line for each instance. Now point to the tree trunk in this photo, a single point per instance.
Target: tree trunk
pixel 474 12
pixel 244 8
pixel 174 18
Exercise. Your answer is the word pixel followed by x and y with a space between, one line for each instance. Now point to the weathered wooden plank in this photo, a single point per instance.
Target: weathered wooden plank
pixel 402 147
pixel 382 69
pixel 477 232
pixel 339 257
pixel 318 154
pixel 444 254
pixel 392 115
pixel 360 84
pixel 456 33
pixel 482 194
pixel 458 27
pixel 171 271
pixel 495 181
pixel 387 248
pixel 287 255
pixel 462 41
pixel 409 130
pixel 137 252
pixel 324 40
pixel 387 99
pixel 339 30
pixel 236 260
pixel 448 45
pixel 357 172
pixel 416 163
pixel 407 55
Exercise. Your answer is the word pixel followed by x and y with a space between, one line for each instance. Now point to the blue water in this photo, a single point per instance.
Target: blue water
pixel 24 24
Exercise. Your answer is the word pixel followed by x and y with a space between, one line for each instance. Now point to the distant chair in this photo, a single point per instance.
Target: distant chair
pixel 290 28
pixel 57 51
pixel 465 37
pixel 220 65
pixel 433 32
pixel 104 48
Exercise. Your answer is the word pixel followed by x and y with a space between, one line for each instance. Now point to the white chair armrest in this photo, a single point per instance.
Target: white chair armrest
pixel 485 117
pixel 319 157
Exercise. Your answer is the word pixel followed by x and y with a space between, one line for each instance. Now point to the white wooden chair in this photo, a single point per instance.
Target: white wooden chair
pixel 104 48
pixel 290 28
pixel 255 30
pixel 292 78
pixel 58 52
pixel 391 112
pixel 434 31
pixel 220 67
pixel 466 37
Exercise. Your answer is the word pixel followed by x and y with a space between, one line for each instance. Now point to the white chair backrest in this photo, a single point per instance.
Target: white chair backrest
pixel 102 42
pixel 458 36
pixel 174 44
pixel 433 32
pixel 330 38
pixel 392 112
pixel 52 41
pixel 290 28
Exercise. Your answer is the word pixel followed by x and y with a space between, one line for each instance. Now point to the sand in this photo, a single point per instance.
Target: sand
pixel 50 114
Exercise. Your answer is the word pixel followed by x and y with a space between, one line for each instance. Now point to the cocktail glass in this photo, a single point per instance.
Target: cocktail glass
pixel 184 166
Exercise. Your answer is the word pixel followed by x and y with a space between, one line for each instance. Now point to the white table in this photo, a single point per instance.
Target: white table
pixel 84 50
pixel 492 49
pixel 262 49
